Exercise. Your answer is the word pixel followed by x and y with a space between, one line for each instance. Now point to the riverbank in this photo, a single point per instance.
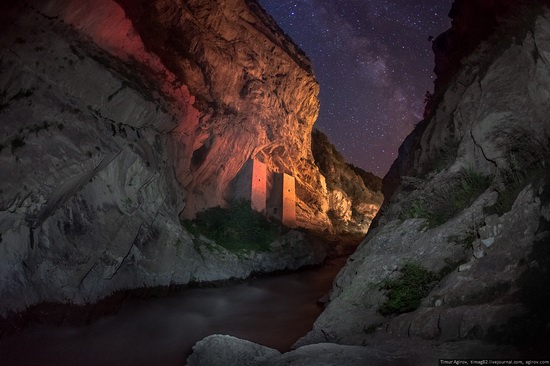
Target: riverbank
pixel 160 326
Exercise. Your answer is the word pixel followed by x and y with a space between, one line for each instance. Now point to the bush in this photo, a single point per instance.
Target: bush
pixel 528 156
pixel 416 209
pixel 236 228
pixel 513 187
pixel 448 200
pixel 407 291
pixel 472 184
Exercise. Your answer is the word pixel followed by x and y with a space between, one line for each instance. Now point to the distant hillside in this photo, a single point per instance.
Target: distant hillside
pixel 372 182
pixel 354 194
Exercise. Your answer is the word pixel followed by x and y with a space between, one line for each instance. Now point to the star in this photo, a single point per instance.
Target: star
pixel 374 64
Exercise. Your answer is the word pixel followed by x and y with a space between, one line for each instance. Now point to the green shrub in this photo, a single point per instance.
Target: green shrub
pixel 449 200
pixel 472 184
pixel 236 228
pixel 513 187
pixel 407 291
pixel 416 209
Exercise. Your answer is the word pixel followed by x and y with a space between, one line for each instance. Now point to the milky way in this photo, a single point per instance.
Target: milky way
pixel 374 63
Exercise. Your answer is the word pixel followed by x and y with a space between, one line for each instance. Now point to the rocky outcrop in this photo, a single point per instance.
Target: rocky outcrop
pixel 467 200
pixel 255 93
pixel 291 251
pixel 119 119
pixel 473 23
pixel 458 260
pixel 222 350
pixel 353 196
pixel 91 198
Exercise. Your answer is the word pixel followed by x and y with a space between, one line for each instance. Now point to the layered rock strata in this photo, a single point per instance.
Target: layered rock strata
pixel 119 119
pixel 354 195
pixel 255 92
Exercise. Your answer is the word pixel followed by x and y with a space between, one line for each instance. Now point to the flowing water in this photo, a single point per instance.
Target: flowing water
pixel 274 311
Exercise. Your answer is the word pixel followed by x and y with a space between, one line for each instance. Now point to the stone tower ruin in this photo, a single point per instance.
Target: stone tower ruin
pixel 251 185
pixel 273 194
pixel 282 199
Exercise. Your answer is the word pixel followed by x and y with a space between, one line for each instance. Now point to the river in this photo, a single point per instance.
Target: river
pixel 271 310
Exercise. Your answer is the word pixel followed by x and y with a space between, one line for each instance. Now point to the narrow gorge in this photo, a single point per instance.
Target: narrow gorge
pixel 153 146
pixel 122 121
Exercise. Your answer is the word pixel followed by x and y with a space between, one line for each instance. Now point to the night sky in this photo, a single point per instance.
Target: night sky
pixel 373 61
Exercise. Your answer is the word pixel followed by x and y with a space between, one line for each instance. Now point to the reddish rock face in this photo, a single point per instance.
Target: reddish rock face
pixel 255 94
pixel 119 118
pixel 239 87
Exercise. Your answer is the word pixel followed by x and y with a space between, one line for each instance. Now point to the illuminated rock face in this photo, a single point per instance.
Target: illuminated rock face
pixel 246 90
pixel 118 119
pixel 254 90
pixel 353 195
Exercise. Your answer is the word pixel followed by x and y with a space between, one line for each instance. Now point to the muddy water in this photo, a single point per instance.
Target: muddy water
pixel 274 311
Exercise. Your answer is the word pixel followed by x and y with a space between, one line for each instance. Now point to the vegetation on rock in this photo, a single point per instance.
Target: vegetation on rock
pixel 529 156
pixel 236 228
pixel 447 201
pixel 407 291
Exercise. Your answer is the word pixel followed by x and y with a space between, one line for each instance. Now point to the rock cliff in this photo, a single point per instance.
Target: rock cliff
pixel 119 119
pixel 466 205
pixel 472 23
pixel 255 94
pixel 354 195
pixel 457 263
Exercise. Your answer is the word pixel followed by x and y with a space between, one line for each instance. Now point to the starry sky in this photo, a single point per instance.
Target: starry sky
pixel 373 61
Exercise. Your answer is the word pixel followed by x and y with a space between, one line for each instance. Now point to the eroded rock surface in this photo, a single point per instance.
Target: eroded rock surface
pixel 255 92
pixel 119 119
pixel 467 207
pixel 222 350
pixel 354 195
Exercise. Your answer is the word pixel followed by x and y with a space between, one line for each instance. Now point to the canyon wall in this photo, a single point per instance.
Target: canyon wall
pixel 354 195
pixel 119 119
pixel 254 90
pixel 456 263
pixel 467 200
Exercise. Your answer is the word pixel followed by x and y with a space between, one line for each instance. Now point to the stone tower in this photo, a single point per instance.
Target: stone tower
pixel 251 184
pixel 282 200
